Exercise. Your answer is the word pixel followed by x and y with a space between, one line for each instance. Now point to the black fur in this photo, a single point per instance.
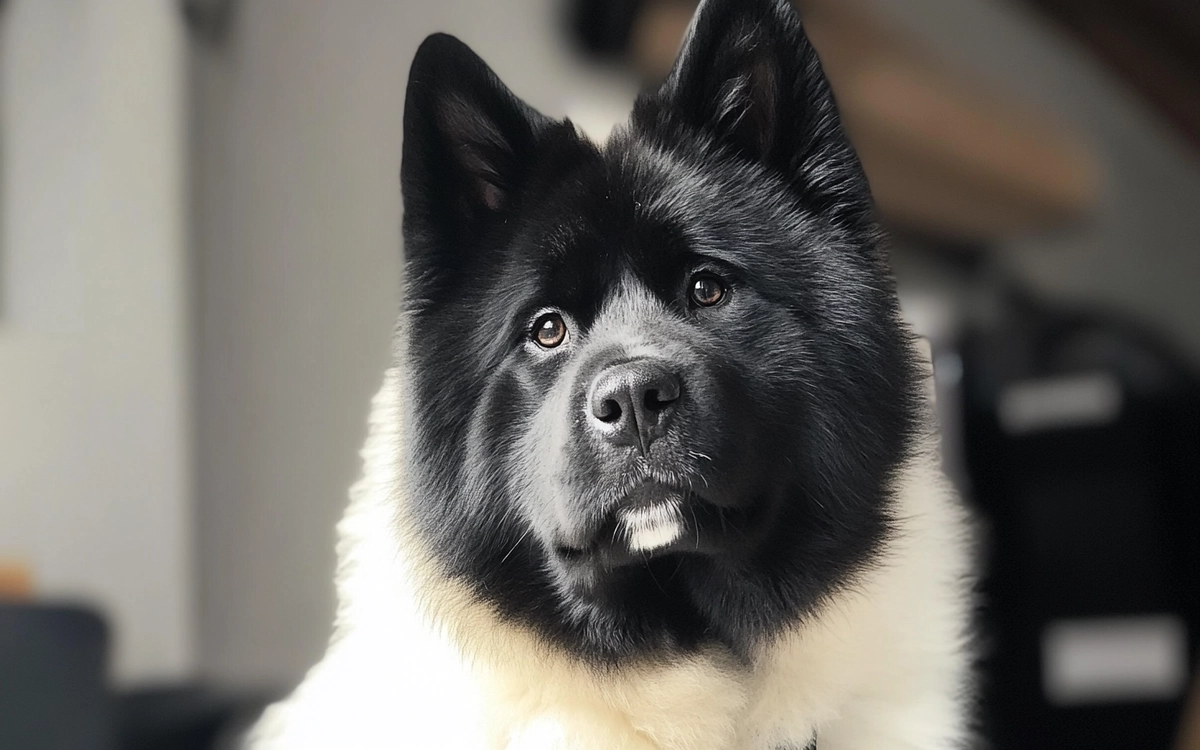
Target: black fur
pixel 801 392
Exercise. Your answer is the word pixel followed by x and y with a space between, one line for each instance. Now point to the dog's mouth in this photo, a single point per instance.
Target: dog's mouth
pixel 650 521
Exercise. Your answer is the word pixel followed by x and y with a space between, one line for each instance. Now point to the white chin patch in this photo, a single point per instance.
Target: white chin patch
pixel 651 527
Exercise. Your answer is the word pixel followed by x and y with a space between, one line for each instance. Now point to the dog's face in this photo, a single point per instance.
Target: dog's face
pixel 659 386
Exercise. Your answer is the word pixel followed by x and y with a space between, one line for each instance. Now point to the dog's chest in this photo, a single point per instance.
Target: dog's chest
pixel 696 703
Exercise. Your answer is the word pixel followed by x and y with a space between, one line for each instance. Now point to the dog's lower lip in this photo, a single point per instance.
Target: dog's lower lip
pixel 653 493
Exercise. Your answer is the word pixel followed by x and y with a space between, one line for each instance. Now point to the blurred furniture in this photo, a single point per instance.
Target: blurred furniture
pixel 947 156
pixel 184 717
pixel 54 693
pixel 1081 434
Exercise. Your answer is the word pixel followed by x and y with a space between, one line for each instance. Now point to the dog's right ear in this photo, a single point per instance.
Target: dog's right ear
pixel 749 79
pixel 467 139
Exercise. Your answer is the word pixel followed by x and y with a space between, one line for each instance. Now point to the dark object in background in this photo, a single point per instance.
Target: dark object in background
pixel 602 27
pixel 53 694
pixel 184 717
pixel 210 20
pixel 1083 446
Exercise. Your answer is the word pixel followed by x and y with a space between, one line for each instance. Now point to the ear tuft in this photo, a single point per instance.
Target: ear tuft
pixel 747 104
pixel 479 149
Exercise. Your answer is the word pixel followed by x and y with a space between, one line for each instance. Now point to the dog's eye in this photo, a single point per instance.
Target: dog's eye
pixel 549 331
pixel 707 290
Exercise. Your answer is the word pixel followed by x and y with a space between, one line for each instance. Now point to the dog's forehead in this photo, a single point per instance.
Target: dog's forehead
pixel 638 213
pixel 597 229
pixel 642 197
pixel 633 203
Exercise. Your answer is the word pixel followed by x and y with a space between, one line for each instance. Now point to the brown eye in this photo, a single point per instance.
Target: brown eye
pixel 708 291
pixel 549 330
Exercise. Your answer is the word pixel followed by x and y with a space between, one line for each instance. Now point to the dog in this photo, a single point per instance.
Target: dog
pixel 655 467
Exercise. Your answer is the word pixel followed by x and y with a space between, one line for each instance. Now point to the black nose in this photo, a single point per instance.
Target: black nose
pixel 632 402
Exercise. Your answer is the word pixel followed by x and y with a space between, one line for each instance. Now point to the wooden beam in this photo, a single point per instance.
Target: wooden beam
pixel 1152 45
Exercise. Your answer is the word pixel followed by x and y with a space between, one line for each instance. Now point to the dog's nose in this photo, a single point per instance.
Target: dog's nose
pixel 632 402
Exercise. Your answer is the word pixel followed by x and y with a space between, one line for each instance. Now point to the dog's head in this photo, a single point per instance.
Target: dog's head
pixel 659 386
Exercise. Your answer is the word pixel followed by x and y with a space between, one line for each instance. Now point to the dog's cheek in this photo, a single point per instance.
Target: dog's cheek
pixel 774 393
pixel 541 459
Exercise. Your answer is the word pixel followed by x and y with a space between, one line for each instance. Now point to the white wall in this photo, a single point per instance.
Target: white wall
pixel 94 469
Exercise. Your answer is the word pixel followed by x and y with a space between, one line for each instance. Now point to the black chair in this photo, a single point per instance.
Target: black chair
pixel 53 688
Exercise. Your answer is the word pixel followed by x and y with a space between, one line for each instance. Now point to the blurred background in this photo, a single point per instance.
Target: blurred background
pixel 199 268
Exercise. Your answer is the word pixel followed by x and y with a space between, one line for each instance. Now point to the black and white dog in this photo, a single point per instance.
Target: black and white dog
pixel 655 467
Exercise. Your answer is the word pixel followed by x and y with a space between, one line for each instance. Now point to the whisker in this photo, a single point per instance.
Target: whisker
pixel 696 523
pixel 678 567
pixel 650 570
pixel 515 545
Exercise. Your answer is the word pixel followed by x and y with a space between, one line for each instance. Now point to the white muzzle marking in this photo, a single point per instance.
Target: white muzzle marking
pixel 652 526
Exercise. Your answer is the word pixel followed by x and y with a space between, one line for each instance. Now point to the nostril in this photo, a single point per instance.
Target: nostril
pixel 610 411
pixel 656 400
pixel 661 393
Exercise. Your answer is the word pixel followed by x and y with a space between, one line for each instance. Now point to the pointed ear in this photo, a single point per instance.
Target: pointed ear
pixel 467 139
pixel 748 77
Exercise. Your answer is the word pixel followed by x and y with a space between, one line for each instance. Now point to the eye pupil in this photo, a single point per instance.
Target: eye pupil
pixel 707 291
pixel 549 330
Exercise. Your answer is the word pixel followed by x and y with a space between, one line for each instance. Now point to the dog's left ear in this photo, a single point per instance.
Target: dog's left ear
pixel 748 77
